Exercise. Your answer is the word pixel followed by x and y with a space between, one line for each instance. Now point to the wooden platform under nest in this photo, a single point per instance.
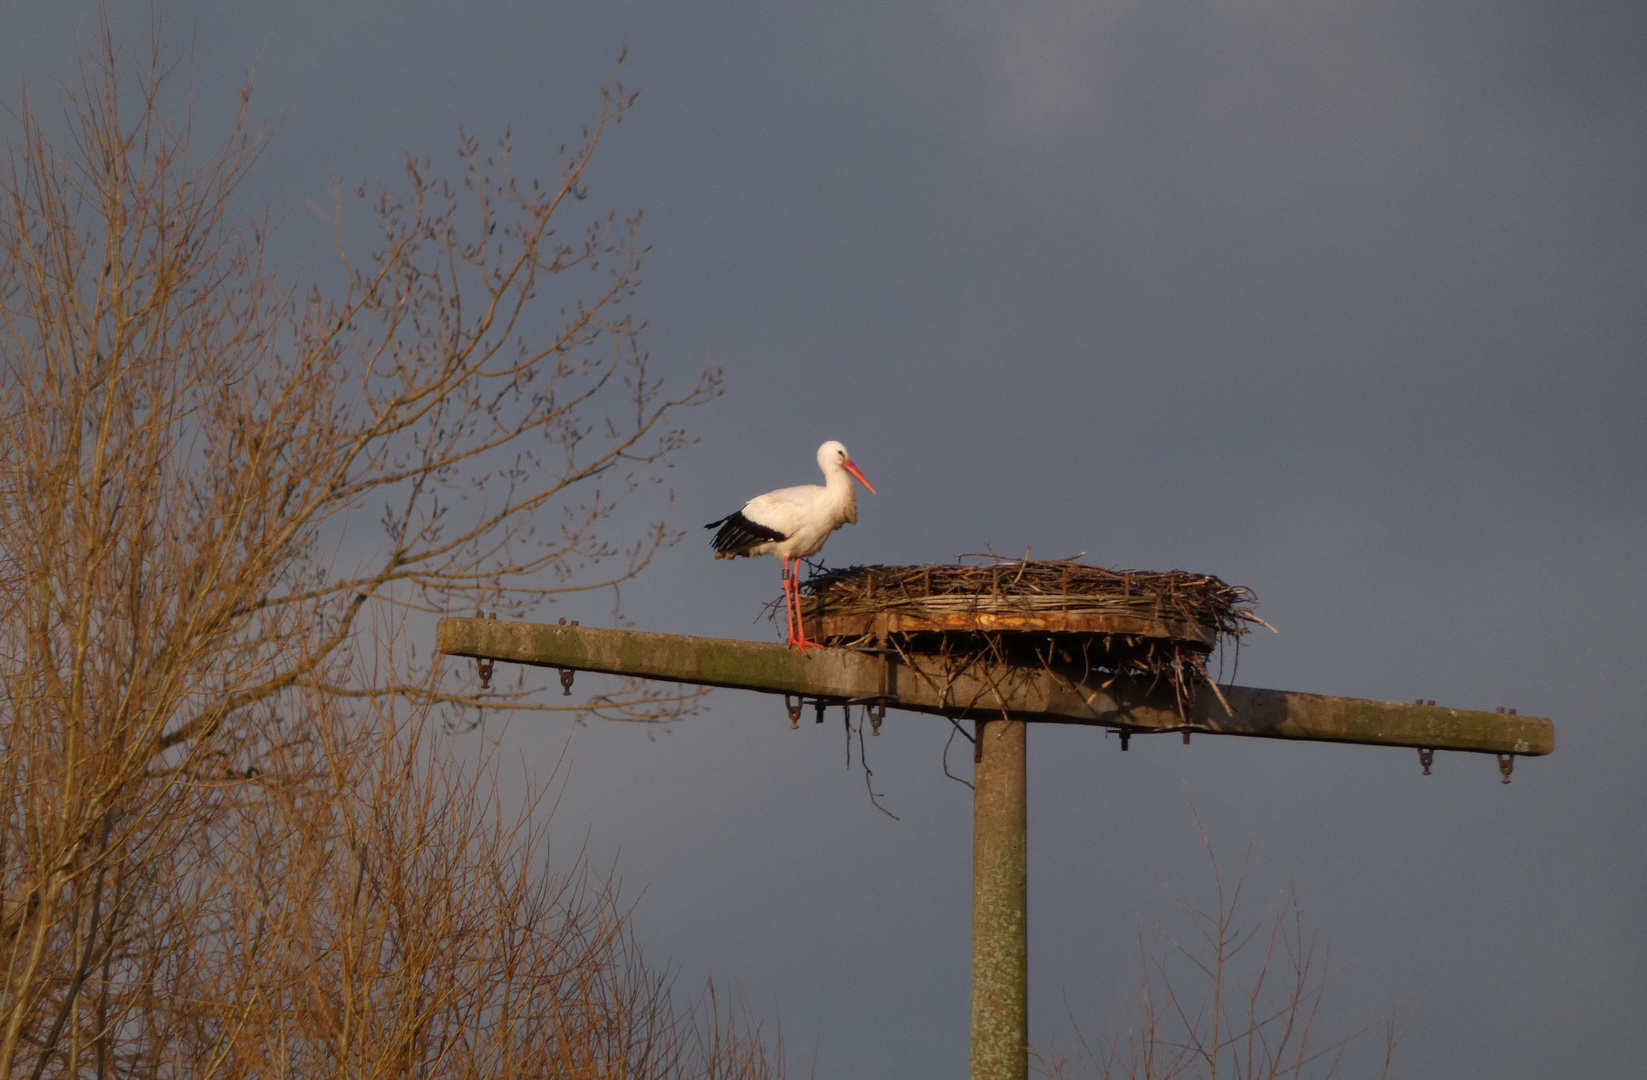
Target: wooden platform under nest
pixel 1044 613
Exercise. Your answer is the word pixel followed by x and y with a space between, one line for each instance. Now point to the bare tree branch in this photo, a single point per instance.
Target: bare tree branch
pixel 1238 998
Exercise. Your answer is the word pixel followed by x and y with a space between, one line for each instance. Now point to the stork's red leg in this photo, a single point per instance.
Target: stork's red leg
pixel 788 615
pixel 795 591
pixel 788 603
pixel 800 625
pixel 793 608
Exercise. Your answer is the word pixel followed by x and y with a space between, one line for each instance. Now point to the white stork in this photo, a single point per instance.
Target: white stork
pixel 793 523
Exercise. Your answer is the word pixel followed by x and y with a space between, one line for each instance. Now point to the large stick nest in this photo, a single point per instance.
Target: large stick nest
pixel 1152 625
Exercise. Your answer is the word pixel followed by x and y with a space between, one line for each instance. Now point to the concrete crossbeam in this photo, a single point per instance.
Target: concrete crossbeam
pixel 981 691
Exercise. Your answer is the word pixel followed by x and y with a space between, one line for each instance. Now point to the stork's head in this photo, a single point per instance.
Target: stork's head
pixel 832 455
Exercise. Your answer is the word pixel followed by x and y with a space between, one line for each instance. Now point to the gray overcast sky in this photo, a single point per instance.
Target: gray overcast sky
pixel 1344 302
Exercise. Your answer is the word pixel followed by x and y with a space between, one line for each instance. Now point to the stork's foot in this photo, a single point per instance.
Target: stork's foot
pixel 800 641
pixel 797 640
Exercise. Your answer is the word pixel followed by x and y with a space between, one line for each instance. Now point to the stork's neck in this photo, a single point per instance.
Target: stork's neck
pixel 841 493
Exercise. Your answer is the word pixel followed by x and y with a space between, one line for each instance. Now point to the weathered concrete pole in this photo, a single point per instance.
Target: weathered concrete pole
pixel 1000 931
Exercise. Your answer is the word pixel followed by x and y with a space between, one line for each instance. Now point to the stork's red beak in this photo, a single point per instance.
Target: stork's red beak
pixel 853 469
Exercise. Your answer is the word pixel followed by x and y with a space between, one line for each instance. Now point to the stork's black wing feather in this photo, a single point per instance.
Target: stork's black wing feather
pixel 738 534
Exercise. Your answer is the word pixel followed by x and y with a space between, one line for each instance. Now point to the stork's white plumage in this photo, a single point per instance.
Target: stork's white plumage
pixel 792 523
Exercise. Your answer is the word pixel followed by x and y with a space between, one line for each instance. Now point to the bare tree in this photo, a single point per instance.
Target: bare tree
pixel 191 448
pixel 1237 997
pixel 397 926
pixel 377 905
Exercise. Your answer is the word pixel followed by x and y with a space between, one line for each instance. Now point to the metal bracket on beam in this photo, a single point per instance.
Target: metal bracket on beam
pixel 483 666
